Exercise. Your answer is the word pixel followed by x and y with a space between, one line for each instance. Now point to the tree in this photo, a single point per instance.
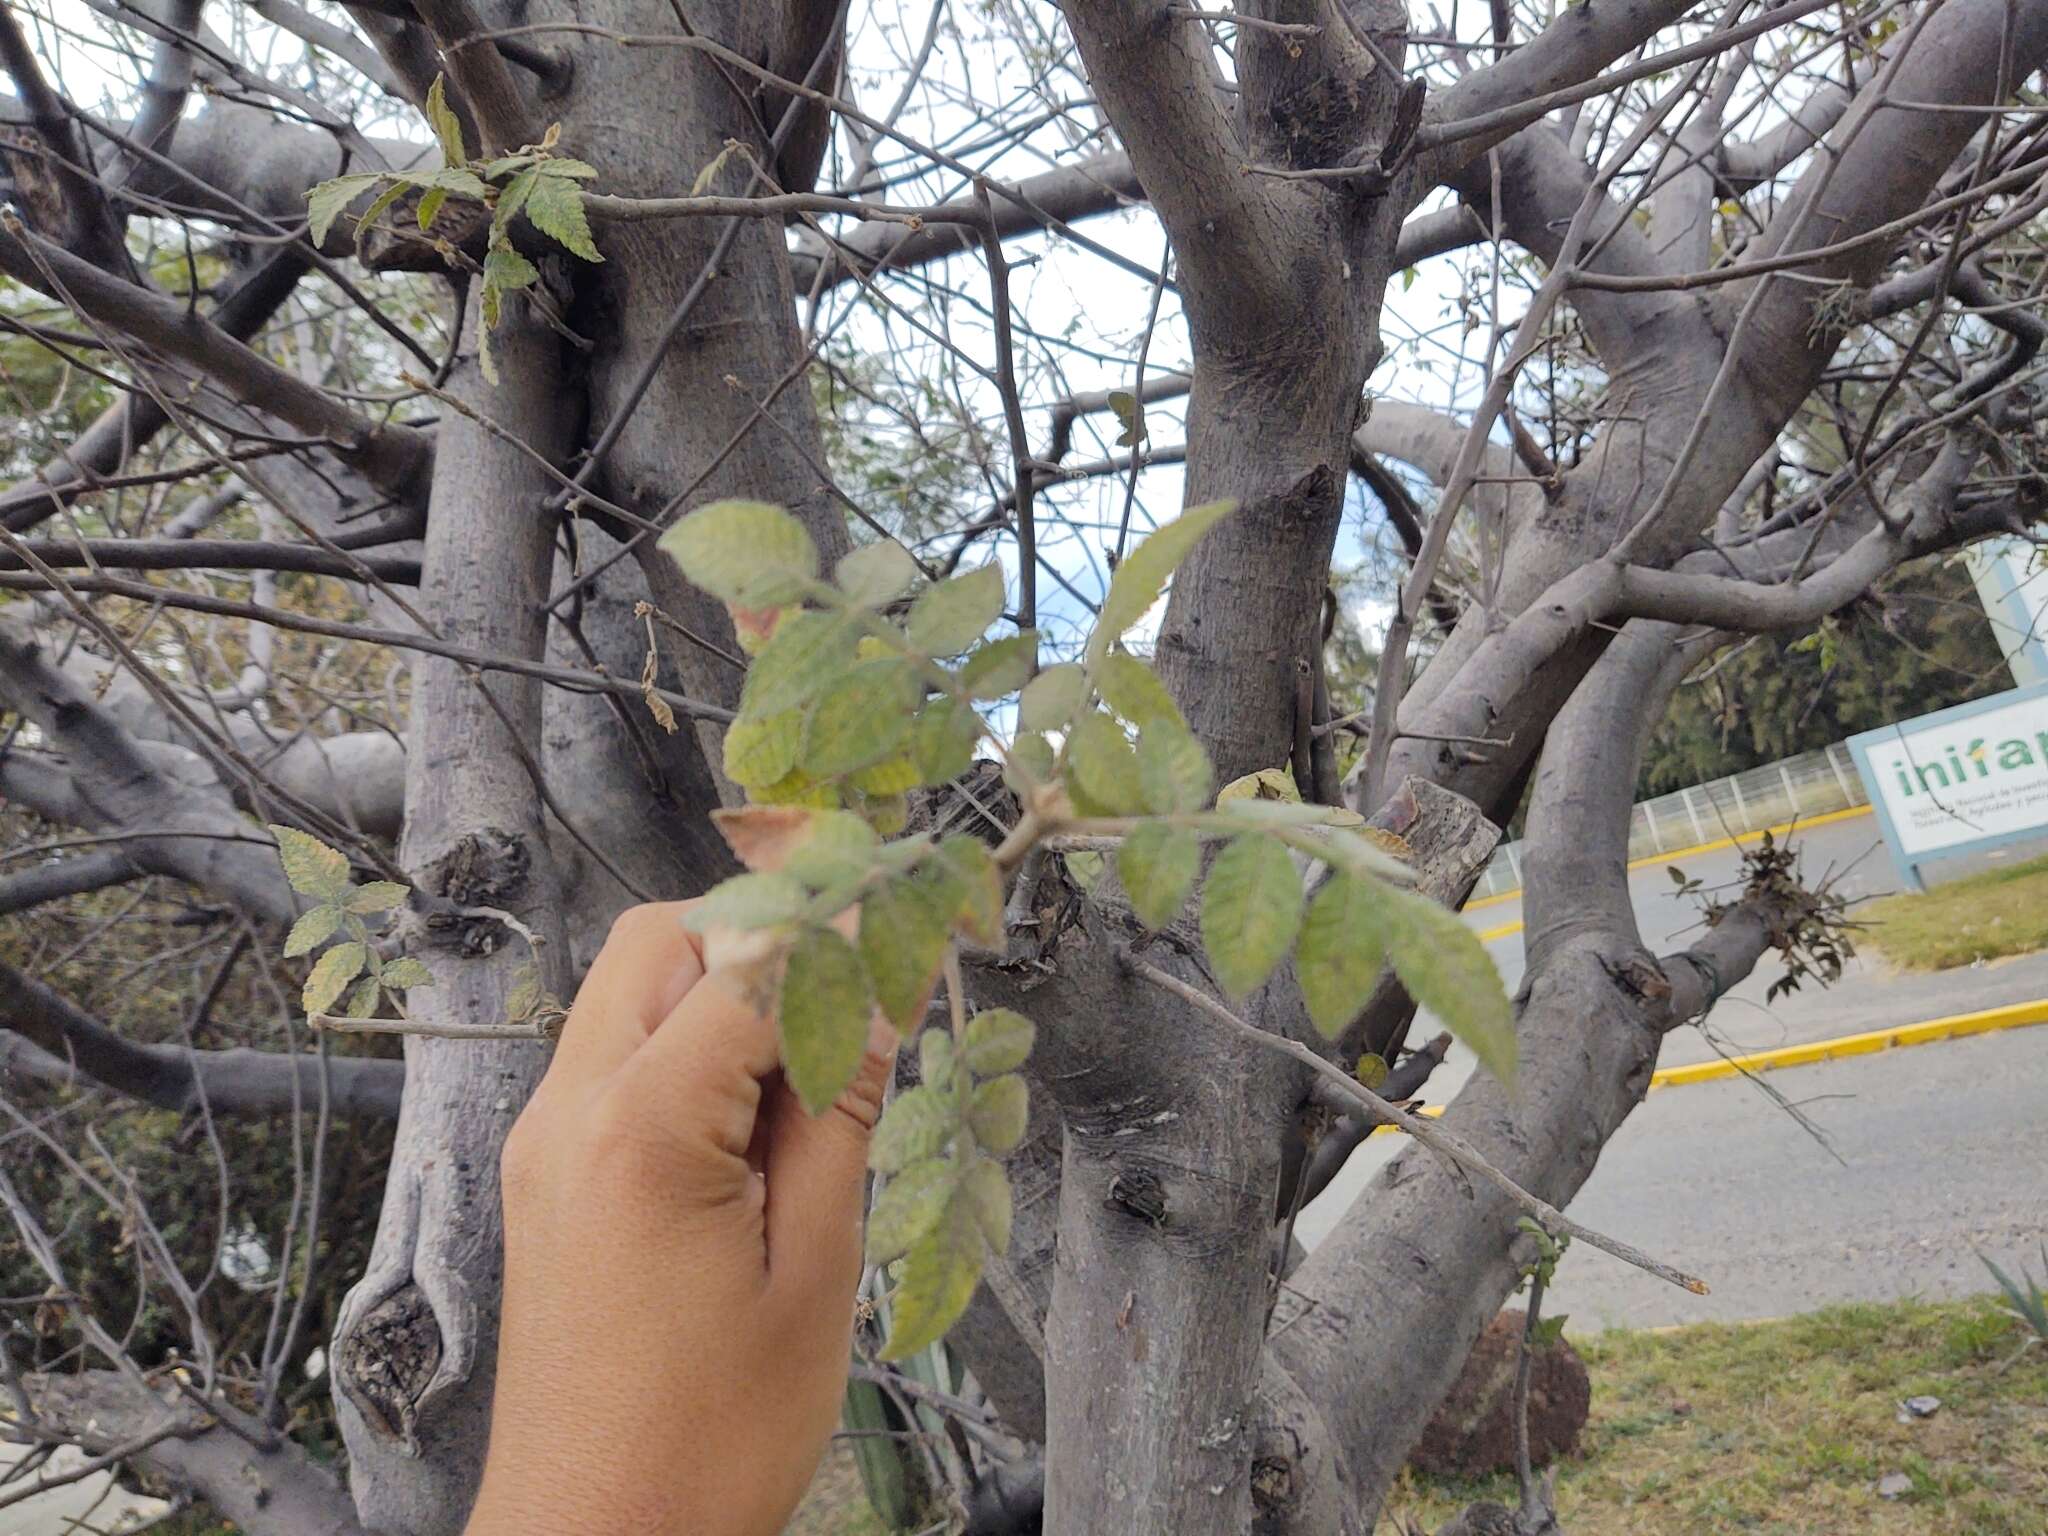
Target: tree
pixel 1777 337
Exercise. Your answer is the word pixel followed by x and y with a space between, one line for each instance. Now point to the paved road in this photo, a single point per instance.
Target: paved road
pixel 1945 1146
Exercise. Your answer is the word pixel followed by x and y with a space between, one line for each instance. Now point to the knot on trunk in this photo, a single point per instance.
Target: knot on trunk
pixel 389 1359
pixel 485 869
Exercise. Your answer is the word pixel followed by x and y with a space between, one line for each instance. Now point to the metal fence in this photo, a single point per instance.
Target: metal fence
pixel 1811 784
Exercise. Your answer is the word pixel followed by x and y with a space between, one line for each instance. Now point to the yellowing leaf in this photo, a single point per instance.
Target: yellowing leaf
pixel 1251 907
pixel 863 718
pixel 910 1205
pixel 1173 770
pixel 310 866
pixel 942 744
pixel 362 1000
pixel 904 926
pixel 949 617
pixel 1157 865
pixel 377 896
pixel 808 652
pixel 757 900
pixel 935 1060
pixel 877 573
pixel 892 776
pixel 331 973
pixel 1053 697
pixel 939 1276
pixel 1000 667
pixel 1103 768
pixel 980 912
pixel 999 1112
pixel 997 1040
pixel 1134 691
pixel 746 552
pixel 1142 577
pixel 405 972
pixel 315 927
pixel 823 1009
pixel 761 749
pixel 917 1125
pixel 1342 951
pixel 986 1193
pixel 1266 784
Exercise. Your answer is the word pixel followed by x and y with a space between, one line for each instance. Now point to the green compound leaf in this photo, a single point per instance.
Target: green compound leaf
pixel 877 573
pixel 1173 770
pixel 948 618
pixel 986 1192
pixel 1143 575
pixel 1001 667
pixel 979 914
pixel 511 198
pixel 757 900
pixel 864 717
pixel 377 896
pixel 836 848
pixel 808 652
pixel 942 743
pixel 1448 971
pixel 1030 754
pixel 935 1060
pixel 939 1276
pixel 1157 865
pixel 310 866
pixel 824 1009
pixel 917 1124
pixel 904 926
pixel 1102 766
pixel 1053 697
pixel 315 927
pixel 1342 950
pixel 447 126
pixel 405 972
pixel 326 202
pixel 910 1205
pixel 1134 691
pixel 997 1040
pixel 555 208
pixel 1000 1110
pixel 331 973
pixel 362 999
pixel 746 552
pixel 761 749
pixel 1251 907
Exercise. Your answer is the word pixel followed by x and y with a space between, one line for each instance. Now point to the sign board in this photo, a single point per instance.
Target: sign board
pixel 1959 780
pixel 2012 583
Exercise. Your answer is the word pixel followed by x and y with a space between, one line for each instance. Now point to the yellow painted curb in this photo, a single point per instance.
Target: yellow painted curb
pixel 1954 1027
pixel 1488 935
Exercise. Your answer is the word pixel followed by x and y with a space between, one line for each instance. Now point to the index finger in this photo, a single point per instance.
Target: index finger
pixel 649 962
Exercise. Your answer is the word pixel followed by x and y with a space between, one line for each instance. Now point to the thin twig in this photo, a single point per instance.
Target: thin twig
pixel 1434 1137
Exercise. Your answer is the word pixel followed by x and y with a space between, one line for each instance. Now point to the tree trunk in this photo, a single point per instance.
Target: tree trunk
pixel 415 1344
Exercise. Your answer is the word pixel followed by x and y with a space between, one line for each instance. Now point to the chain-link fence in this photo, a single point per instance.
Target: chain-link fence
pixel 1811 784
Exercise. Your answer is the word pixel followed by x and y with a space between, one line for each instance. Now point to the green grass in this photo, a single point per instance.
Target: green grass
pixel 2000 912
pixel 1784 1428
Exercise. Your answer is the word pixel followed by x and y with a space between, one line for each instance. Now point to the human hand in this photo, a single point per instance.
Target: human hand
pixel 682 1250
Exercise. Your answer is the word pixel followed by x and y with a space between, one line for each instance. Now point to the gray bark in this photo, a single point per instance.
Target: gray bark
pixel 415 1345
pixel 263 1483
pixel 52 1040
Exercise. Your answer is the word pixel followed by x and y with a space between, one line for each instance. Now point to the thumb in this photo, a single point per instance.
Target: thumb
pixel 817 1174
